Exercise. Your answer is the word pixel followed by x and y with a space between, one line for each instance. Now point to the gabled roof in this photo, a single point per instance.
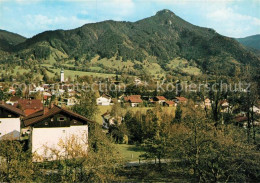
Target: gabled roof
pixel 14 98
pixel 169 102
pixel 240 119
pixel 106 96
pixel 41 115
pixel 12 109
pixel 133 98
pixel 161 98
pixel 224 103
pixel 106 115
pixel 30 104
pixel 181 99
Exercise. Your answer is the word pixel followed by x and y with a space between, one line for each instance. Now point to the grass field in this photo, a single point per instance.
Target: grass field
pixel 73 74
pixel 129 152
pixel 102 110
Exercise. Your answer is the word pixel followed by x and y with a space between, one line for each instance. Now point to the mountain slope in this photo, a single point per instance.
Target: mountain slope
pixel 252 42
pixel 160 39
pixel 8 40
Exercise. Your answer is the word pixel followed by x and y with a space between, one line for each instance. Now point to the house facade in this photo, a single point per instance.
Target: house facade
pixel 160 99
pixel 109 120
pixel 10 122
pixel 134 100
pixel 104 100
pixel 51 129
pixel 170 103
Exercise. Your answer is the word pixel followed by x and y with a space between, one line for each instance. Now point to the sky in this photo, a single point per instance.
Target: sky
pixel 233 18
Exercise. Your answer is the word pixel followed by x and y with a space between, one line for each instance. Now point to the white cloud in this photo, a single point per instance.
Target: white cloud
pixel 232 23
pixel 42 22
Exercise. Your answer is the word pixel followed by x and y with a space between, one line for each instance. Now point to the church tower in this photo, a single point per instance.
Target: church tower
pixel 62 75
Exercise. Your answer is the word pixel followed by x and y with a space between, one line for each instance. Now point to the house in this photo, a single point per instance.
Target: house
pixel 10 122
pixel 105 99
pixel 134 100
pixel 224 106
pixel 29 106
pixel 11 91
pixel 13 100
pixel 181 100
pixel 52 127
pixel 207 103
pixel 241 121
pixel 169 103
pixel 159 99
pixel 137 81
pixel 256 110
pixel 109 120
pixel 71 101
pixel 46 95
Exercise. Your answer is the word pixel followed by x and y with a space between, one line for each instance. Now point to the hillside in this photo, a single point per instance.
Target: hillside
pixel 158 40
pixel 8 40
pixel 252 42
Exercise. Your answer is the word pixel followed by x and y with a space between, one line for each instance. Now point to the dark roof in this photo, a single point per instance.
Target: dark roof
pixel 240 119
pixel 106 113
pixel 41 115
pixel 106 96
pixel 12 109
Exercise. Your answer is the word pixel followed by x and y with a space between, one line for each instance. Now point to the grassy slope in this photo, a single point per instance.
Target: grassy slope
pixel 129 152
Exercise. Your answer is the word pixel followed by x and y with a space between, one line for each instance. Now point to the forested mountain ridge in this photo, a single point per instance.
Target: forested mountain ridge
pixel 251 42
pixel 8 40
pixel 160 39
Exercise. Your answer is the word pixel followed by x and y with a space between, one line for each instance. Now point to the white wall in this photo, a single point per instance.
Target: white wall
pixel 62 77
pixel 103 101
pixel 10 127
pixel 44 140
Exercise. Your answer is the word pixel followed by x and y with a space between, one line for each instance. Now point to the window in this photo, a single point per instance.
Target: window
pixel 51 119
pixel 46 123
pixel 61 119
pixel 9 115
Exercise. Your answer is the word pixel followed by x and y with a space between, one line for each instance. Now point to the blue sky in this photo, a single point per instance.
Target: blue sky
pixel 234 18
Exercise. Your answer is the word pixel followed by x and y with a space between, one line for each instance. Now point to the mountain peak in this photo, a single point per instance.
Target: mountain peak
pixel 165 12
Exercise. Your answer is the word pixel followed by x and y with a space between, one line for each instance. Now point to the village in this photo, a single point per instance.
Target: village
pixel 129 91
pixel 44 122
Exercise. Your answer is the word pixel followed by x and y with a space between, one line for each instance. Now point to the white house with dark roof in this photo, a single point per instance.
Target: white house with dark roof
pixel 105 99
pixel 52 127
pixel 10 122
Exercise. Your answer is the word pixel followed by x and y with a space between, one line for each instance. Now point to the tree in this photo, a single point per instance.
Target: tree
pixel 94 161
pixel 213 154
pixel 16 165
pixel 3 95
pixel 87 105
pixel 178 114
